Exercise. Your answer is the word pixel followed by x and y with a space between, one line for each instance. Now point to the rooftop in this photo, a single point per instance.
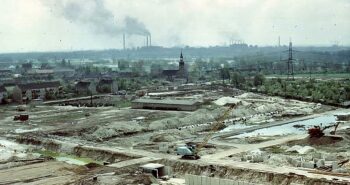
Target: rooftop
pixel 152 166
pixel 171 72
pixel 40 71
pixel 166 101
pixel 39 85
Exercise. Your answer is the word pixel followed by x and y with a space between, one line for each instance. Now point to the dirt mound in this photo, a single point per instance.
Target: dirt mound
pixel 169 136
pixel 145 179
pixel 114 130
pixel 325 140
pixel 249 96
pixel 163 138
pixel 92 165
pixel 198 117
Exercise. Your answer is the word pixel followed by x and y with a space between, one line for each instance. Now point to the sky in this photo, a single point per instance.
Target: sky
pixel 65 25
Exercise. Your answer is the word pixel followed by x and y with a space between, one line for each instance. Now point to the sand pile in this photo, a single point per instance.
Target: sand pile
pixel 227 101
pixel 249 95
pixel 198 117
pixel 268 108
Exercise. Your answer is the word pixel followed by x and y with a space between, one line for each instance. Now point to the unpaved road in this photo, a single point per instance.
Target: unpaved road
pixel 215 159
pixel 248 147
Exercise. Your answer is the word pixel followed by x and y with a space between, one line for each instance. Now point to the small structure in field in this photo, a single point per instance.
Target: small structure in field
pixel 165 104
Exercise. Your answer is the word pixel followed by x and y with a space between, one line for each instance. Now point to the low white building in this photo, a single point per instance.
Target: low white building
pixel 165 104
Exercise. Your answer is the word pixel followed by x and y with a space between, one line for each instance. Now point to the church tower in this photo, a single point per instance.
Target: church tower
pixel 181 66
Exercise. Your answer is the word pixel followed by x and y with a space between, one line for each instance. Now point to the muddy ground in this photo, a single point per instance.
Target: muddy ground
pixel 145 130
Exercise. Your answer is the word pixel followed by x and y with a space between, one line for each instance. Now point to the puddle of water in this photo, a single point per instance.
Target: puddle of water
pixel 19 130
pixel 288 128
pixel 71 160
pixel 235 126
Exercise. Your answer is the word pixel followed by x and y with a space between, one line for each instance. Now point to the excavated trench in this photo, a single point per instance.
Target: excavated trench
pixel 247 175
pixel 76 150
pixel 182 167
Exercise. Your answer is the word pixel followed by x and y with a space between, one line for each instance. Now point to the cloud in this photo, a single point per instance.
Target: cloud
pixel 98 24
pixel 96 17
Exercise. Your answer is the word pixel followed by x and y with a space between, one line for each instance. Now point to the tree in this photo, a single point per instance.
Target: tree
pixel 259 79
pixel 122 84
pixel 63 63
pixel 237 79
pixel 225 73
pixel 17 95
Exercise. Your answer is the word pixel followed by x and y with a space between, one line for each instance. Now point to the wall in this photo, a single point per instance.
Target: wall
pixel 203 180
pixel 157 106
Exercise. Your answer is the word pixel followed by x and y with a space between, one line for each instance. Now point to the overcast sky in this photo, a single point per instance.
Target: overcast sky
pixel 51 25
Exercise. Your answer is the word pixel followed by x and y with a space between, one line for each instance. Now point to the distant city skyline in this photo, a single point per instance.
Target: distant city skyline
pixel 64 25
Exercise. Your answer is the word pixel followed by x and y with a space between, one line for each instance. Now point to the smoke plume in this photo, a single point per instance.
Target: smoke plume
pixel 95 16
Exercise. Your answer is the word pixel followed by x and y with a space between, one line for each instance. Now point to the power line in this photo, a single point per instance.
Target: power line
pixel 290 66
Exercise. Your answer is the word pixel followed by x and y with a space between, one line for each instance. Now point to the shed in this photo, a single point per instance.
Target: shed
pixel 165 104
pixel 157 170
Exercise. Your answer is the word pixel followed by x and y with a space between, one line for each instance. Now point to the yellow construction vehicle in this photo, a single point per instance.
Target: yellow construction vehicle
pixel 191 151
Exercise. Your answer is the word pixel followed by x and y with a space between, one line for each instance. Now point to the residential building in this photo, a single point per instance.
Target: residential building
pixel 84 87
pixel 107 85
pixel 37 90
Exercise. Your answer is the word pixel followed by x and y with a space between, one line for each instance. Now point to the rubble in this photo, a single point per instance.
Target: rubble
pixel 301 149
pixel 114 136
pixel 227 101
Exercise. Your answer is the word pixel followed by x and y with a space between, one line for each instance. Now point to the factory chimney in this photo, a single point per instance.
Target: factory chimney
pixel 146 41
pixel 150 40
pixel 279 41
pixel 124 41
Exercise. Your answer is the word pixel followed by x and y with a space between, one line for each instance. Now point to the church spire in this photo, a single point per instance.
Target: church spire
pixel 181 65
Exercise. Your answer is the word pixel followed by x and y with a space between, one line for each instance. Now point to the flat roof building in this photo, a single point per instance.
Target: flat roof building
pixel 165 104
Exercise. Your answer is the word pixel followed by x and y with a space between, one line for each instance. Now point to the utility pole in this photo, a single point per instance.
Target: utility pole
pixel 124 48
pixel 290 67
pixel 290 62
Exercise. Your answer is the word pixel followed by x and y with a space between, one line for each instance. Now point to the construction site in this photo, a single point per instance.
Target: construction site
pixel 206 137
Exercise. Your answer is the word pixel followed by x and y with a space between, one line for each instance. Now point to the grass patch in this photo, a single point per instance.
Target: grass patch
pixel 123 103
pixel 49 153
pixel 275 150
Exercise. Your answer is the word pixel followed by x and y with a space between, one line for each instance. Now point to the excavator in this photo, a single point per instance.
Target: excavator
pixel 191 151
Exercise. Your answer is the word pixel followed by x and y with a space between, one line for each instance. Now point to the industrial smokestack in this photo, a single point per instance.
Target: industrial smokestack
pixel 146 41
pixel 124 41
pixel 150 40
pixel 279 41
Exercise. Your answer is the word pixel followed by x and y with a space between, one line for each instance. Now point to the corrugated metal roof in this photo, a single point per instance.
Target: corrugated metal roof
pixel 152 166
pixel 166 101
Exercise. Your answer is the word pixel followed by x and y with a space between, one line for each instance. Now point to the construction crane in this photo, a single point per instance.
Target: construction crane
pixel 191 151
